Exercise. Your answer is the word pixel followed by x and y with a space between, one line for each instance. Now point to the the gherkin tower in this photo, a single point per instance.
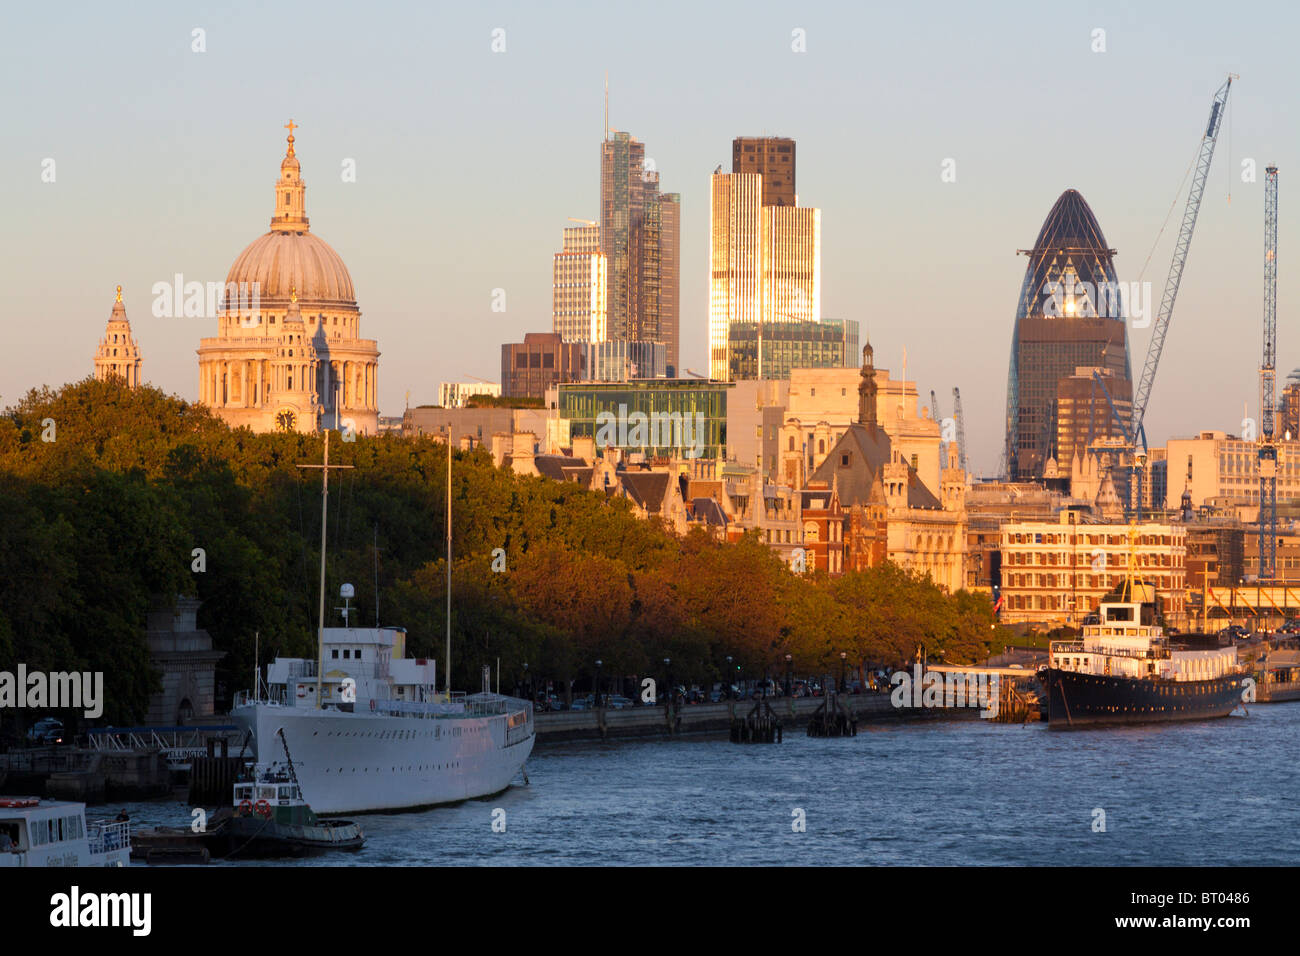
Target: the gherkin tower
pixel 1069 320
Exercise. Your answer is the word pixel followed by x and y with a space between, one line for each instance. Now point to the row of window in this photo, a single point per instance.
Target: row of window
pixel 55 830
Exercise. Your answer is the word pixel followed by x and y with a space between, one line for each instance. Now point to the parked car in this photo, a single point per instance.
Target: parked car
pixel 617 702
pixel 1235 632
pixel 47 730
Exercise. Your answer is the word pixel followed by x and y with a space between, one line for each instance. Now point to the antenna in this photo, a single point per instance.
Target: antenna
pixel 607 104
pixel 376 574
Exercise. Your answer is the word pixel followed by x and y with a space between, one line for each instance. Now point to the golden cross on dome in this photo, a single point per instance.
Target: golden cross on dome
pixel 291 126
pixel 119 293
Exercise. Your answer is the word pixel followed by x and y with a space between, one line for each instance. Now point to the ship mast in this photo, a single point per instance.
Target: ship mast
pixel 447 679
pixel 324 516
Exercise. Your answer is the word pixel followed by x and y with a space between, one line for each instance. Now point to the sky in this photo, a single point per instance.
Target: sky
pixel 469 162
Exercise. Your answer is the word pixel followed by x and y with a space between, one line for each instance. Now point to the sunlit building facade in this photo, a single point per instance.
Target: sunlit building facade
pixel 764 265
pixel 735 261
pixel 579 287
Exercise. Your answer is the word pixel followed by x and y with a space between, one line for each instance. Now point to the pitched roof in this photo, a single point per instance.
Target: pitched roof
pixel 868 450
pixel 709 511
pixel 563 468
pixel 646 488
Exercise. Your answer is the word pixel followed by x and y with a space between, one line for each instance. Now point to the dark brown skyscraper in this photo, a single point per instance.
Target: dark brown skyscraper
pixel 772 157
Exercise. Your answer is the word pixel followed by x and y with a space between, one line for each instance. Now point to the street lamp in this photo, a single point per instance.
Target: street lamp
pixel 668 700
pixel 729 694
pixel 844 656
pixel 789 664
pixel 598 700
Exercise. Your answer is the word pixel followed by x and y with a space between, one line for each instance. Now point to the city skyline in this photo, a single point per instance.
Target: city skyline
pixel 439 216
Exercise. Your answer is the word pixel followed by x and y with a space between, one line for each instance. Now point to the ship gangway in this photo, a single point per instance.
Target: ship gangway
pixel 178 745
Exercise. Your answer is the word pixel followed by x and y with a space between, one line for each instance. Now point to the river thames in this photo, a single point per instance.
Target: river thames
pixel 924 792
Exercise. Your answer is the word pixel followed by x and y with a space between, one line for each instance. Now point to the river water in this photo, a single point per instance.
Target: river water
pixel 1219 792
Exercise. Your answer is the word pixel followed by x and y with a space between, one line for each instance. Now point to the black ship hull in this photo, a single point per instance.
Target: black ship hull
pixel 1089 700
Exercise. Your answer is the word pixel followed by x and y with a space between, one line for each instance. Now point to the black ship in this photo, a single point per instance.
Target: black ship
pixel 1125 670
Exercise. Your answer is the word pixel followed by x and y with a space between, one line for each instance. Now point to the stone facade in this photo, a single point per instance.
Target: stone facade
pixel 184 655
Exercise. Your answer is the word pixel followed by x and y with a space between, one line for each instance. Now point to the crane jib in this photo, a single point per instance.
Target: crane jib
pixel 1214 119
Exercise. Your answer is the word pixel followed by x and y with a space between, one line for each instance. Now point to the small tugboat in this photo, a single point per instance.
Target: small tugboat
pixel 269 818
pixel 37 832
pixel 1126 671
pixel 272 819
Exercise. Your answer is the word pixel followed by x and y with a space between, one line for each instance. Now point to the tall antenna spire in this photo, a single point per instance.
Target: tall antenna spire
pixel 607 104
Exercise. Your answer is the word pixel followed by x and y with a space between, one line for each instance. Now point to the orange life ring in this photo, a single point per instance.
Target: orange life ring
pixel 263 808
pixel 245 807
pixel 302 691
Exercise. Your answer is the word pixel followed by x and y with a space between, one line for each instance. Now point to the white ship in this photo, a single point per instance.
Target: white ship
pixel 381 737
pixel 365 727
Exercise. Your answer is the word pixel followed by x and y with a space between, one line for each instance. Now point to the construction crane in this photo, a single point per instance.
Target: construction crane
pixel 1267 381
pixel 934 416
pixel 961 428
pixel 1134 431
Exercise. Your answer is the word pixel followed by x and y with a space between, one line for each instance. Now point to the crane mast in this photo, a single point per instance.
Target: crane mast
pixel 1267 379
pixel 961 428
pixel 1161 328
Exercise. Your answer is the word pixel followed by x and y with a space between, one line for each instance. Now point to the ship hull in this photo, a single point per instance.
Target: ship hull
pixel 1089 700
pixel 363 762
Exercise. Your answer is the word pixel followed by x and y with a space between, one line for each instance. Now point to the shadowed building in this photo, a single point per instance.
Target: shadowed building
pixel 1070 315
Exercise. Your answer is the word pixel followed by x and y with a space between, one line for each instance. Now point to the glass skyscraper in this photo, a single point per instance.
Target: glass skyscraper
pixel 1070 315
pixel 640 236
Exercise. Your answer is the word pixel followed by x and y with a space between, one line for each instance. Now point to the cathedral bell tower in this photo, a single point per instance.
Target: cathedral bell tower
pixel 118 355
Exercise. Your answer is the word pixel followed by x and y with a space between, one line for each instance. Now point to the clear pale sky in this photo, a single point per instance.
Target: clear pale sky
pixel 468 163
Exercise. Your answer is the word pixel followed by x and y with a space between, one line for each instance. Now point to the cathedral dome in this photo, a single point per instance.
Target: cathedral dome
pixel 289 257
pixel 281 262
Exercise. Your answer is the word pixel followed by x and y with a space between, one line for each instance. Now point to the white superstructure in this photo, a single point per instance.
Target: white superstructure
pixel 382 738
pixel 38 832
pixel 1126 644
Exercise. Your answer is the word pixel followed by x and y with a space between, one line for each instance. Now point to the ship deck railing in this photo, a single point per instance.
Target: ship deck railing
pixel 104 837
pixel 278 694
pixel 460 705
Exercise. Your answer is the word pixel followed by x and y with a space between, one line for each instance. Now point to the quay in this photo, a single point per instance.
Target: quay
pixel 657 721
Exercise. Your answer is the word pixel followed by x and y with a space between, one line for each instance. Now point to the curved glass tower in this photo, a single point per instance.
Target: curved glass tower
pixel 1070 321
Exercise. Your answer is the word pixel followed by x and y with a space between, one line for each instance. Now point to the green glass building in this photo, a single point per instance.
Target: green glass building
pixel 665 418
pixel 830 343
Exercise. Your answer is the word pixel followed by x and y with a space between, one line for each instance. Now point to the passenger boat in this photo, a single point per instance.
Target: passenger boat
pixel 1126 671
pixel 38 832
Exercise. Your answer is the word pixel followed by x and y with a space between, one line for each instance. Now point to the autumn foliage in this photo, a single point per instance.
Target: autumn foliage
pixel 98 524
